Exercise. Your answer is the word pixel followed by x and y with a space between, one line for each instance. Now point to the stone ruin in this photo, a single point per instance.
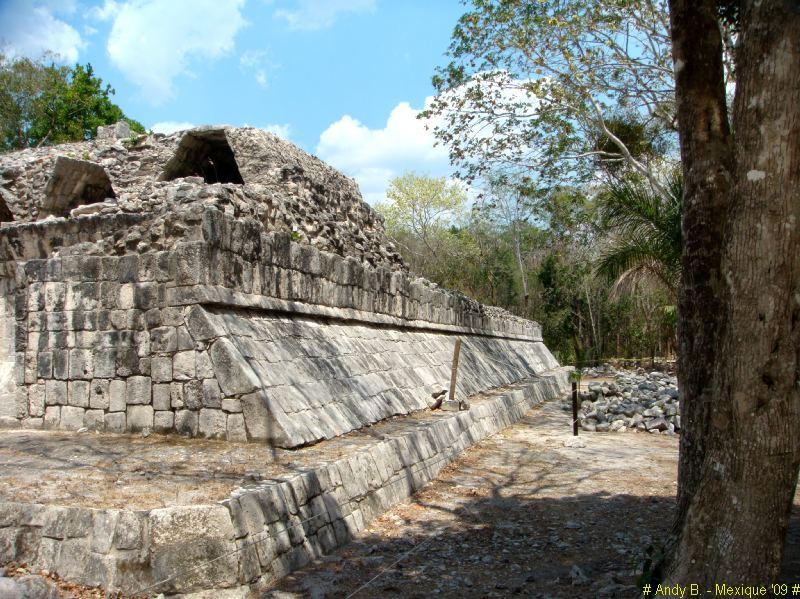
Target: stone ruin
pixel 221 283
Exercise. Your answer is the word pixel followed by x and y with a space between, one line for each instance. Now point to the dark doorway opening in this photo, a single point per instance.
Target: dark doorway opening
pixel 5 213
pixel 75 183
pixel 204 154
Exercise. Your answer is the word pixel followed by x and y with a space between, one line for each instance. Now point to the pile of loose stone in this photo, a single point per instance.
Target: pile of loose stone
pixel 635 400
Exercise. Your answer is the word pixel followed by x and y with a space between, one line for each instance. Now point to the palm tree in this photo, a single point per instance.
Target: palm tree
pixel 644 228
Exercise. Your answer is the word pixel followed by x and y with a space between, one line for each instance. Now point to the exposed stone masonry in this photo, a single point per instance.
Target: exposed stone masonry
pixel 155 309
pixel 222 283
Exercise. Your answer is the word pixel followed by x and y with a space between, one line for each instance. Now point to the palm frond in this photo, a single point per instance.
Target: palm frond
pixel 644 229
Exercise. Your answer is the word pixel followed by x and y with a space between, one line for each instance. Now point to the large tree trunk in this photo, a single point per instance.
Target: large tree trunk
pixel 739 326
pixel 706 155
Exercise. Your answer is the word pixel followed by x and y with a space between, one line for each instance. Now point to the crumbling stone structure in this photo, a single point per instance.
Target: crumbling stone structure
pixel 221 283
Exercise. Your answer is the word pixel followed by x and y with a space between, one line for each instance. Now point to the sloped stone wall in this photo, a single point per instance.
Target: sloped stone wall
pixel 301 380
pixel 262 531
pixel 132 313
pixel 119 343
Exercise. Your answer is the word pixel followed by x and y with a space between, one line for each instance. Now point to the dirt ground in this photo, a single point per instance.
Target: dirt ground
pixel 530 511
pixel 131 471
pixel 516 515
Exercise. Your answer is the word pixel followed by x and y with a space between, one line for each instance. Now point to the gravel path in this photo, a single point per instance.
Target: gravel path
pixel 530 511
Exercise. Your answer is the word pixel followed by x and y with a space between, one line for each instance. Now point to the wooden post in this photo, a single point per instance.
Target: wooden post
pixel 574 409
pixel 454 371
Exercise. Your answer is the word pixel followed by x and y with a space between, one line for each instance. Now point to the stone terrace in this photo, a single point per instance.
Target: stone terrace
pixel 221 283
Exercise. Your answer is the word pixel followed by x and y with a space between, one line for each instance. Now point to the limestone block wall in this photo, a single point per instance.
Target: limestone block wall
pixel 158 293
pixel 184 336
pixel 261 532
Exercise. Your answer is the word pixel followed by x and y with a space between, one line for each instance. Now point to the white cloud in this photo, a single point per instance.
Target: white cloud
pixel 168 127
pixel 105 12
pixel 374 156
pixel 256 62
pixel 311 15
pixel 154 41
pixel 31 29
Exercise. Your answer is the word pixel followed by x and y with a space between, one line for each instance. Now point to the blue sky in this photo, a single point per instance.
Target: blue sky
pixel 343 79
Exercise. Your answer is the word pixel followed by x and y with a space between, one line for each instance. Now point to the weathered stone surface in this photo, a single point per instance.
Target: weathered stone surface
pixel 233 373
pixel 100 395
pixel 79 394
pixel 161 369
pixel 71 418
pixel 236 430
pixel 116 395
pixel 115 422
pixel 184 536
pixel 186 422
pixel 212 423
pixel 161 397
pixel 139 418
pixel 152 301
pixel 28 587
pixel 94 420
pixel 164 421
pixel 139 390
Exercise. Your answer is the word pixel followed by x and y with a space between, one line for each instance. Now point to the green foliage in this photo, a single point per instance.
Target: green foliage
pixel 419 218
pixel 43 103
pixel 532 85
pixel 533 253
pixel 644 233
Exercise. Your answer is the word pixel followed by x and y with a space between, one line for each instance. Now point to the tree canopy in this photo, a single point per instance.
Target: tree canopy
pixel 541 86
pixel 44 103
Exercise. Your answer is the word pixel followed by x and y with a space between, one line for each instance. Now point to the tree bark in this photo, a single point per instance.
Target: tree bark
pixel 739 326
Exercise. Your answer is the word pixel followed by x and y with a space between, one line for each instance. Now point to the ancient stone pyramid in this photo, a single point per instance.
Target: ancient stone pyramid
pixel 221 282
